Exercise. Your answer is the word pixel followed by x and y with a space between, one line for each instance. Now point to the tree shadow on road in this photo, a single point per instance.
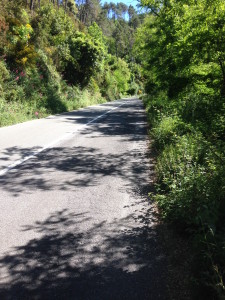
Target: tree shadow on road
pixel 76 167
pixel 116 260
pixel 75 257
pixel 129 121
pixel 80 166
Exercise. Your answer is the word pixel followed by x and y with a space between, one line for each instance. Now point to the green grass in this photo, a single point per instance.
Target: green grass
pixel 14 112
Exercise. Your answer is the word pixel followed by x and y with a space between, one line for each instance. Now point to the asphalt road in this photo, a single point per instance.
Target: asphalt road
pixel 76 222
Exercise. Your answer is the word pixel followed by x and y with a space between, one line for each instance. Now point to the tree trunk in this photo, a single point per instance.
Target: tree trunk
pixel 223 75
pixel 31 5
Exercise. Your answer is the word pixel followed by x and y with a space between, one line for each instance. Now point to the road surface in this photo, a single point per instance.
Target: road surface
pixel 76 222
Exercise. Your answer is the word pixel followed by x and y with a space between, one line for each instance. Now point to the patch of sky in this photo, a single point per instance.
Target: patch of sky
pixel 134 3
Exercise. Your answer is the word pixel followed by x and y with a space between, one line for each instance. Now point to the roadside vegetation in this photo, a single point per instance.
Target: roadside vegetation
pixel 181 46
pixel 57 56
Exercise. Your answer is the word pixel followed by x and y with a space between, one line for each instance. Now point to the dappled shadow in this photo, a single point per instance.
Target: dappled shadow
pixel 76 167
pixel 91 111
pixel 87 252
pixel 109 260
pixel 87 163
pixel 21 152
pixel 128 124
pixel 128 120
pixel 117 122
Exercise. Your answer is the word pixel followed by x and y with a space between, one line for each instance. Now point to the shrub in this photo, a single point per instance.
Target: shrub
pixel 167 130
pixel 189 194
pixel 4 72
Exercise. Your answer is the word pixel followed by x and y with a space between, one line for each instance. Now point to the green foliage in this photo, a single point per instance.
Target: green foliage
pixel 4 73
pixel 167 130
pixel 118 31
pixel 109 85
pixel 96 33
pixel 19 49
pixel 84 59
pixel 122 75
pixel 136 79
pixel 52 26
pixel 181 48
pixel 115 79
pixel 189 200
pixel 50 62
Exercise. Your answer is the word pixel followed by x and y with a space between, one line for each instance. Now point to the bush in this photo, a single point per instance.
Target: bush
pixel 4 72
pixel 191 175
pixel 167 130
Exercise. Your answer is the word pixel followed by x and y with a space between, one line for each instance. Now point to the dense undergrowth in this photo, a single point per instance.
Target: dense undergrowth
pixel 183 65
pixel 29 96
pixel 52 62
pixel 190 189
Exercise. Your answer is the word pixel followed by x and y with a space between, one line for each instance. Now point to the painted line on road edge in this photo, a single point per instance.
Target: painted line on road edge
pixel 60 140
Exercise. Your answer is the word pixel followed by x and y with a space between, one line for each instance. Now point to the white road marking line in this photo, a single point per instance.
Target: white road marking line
pixel 60 140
